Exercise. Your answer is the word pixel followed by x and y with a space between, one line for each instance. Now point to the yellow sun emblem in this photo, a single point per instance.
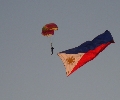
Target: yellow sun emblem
pixel 70 60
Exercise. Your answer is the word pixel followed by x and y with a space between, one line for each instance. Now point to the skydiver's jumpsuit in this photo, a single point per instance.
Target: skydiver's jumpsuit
pixel 51 49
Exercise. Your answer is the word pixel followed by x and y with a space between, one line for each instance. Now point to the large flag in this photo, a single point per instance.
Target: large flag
pixel 76 57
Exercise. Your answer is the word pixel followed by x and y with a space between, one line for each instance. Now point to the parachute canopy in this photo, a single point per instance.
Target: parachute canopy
pixel 76 57
pixel 48 29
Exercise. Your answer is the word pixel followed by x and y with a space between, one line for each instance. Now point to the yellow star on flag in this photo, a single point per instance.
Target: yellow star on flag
pixel 70 60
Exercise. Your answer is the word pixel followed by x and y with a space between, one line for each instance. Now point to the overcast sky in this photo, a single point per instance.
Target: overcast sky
pixel 27 69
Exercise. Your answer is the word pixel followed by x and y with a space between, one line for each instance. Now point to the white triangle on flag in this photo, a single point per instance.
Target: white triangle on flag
pixel 70 60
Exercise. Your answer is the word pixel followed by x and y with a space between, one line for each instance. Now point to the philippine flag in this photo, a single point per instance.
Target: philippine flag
pixel 76 57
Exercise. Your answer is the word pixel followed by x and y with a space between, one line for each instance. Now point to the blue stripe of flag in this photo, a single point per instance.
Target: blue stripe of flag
pixel 91 45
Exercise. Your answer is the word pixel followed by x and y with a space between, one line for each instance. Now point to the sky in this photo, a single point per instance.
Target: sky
pixel 27 69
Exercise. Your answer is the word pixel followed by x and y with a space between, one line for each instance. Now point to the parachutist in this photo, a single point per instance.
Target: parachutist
pixel 51 49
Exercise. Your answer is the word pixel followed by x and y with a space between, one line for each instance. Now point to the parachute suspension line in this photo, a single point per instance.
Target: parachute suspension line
pixel 51 45
pixel 51 40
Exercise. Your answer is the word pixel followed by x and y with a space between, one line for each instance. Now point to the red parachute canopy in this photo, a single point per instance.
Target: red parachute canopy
pixel 48 29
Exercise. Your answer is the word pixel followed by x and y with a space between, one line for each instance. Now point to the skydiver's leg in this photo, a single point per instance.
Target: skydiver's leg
pixel 51 52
